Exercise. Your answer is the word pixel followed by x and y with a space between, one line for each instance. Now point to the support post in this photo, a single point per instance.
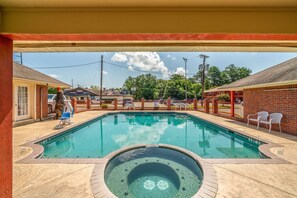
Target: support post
pixel 115 103
pixel 142 103
pixel 195 104
pixel 74 104
pixel 6 109
pixel 215 106
pixel 88 103
pixel 206 105
pixel 232 99
pixel 169 104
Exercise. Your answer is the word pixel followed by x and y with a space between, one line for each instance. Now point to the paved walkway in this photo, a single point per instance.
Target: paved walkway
pixel 234 180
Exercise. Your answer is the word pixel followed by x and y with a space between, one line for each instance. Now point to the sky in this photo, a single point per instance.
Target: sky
pixel 118 66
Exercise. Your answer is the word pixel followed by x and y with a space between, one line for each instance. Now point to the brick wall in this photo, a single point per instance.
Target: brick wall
pixel 44 91
pixel 281 99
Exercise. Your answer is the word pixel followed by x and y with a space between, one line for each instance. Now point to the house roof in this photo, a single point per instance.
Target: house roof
pixel 23 72
pixel 79 91
pixel 281 74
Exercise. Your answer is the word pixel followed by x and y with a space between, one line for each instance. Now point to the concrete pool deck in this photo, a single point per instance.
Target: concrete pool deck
pixel 234 180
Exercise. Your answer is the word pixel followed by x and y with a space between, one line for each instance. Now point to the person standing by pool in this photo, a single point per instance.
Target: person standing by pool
pixel 60 103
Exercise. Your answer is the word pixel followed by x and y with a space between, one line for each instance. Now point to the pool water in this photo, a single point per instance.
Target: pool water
pixel 108 133
pixel 153 172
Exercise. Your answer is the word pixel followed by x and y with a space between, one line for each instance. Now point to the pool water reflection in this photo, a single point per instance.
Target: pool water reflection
pixel 116 130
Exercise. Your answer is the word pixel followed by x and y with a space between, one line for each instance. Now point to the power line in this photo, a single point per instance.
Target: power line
pixel 96 62
pixel 66 66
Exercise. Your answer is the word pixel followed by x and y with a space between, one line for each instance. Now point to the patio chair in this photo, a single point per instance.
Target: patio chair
pixel 129 106
pixel 65 118
pixel 274 118
pixel 260 116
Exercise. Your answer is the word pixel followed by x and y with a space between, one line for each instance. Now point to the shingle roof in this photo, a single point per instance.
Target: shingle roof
pixel 79 91
pixel 285 72
pixel 23 72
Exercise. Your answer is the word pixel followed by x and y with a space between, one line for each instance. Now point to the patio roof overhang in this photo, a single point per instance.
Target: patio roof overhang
pixel 130 25
pixel 266 85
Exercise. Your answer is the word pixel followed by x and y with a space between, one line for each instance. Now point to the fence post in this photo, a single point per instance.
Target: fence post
pixel 142 103
pixel 206 105
pixel 88 103
pixel 115 104
pixel 169 103
pixel 195 104
pixel 74 104
pixel 232 97
pixel 215 107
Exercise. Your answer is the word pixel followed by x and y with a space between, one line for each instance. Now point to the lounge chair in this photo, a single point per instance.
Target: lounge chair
pixel 260 116
pixel 274 118
pixel 65 118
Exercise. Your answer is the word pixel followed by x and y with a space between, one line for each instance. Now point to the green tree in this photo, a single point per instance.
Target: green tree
pixel 214 76
pixel 233 73
pixel 52 91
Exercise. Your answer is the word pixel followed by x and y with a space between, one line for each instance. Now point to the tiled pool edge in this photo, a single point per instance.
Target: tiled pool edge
pixel 37 150
pixel 208 188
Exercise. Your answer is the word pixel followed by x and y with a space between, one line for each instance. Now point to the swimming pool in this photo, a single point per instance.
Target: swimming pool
pixel 99 137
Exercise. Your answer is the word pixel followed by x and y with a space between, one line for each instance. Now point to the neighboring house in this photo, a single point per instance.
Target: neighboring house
pixel 273 90
pixel 30 93
pixel 79 93
pixel 107 95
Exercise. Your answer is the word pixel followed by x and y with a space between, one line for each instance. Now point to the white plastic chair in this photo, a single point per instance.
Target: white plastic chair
pixel 274 118
pixel 260 116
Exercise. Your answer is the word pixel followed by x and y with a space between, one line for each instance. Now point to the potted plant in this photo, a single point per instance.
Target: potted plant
pixel 223 98
pixel 104 106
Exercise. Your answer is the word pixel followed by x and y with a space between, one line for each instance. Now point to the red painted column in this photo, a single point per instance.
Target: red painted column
pixel 169 104
pixel 115 103
pixel 232 94
pixel 6 109
pixel 88 103
pixel 195 104
pixel 215 106
pixel 74 104
pixel 206 105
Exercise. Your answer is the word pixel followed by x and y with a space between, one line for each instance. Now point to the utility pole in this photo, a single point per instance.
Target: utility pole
pixel 21 56
pixel 203 67
pixel 72 83
pixel 186 77
pixel 101 79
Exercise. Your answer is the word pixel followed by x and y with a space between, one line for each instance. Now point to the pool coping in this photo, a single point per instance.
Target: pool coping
pixel 37 149
pixel 208 189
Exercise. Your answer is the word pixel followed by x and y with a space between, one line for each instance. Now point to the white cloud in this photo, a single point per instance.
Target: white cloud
pixel 171 57
pixel 144 61
pixel 54 76
pixel 130 68
pixel 105 72
pixel 180 71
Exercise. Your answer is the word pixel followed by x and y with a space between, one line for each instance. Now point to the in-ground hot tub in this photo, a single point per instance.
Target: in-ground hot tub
pixel 153 172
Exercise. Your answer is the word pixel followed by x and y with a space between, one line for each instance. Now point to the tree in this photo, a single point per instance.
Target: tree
pixel 52 91
pixel 223 98
pixel 214 76
pixel 233 73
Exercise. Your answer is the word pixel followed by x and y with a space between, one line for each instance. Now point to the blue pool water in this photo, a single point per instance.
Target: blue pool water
pixel 106 134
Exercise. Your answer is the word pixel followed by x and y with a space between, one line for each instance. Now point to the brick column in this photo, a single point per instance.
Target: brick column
pixel 142 103
pixel 232 94
pixel 115 104
pixel 169 104
pixel 74 104
pixel 195 104
pixel 88 103
pixel 206 105
pixel 215 106
pixel 6 109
